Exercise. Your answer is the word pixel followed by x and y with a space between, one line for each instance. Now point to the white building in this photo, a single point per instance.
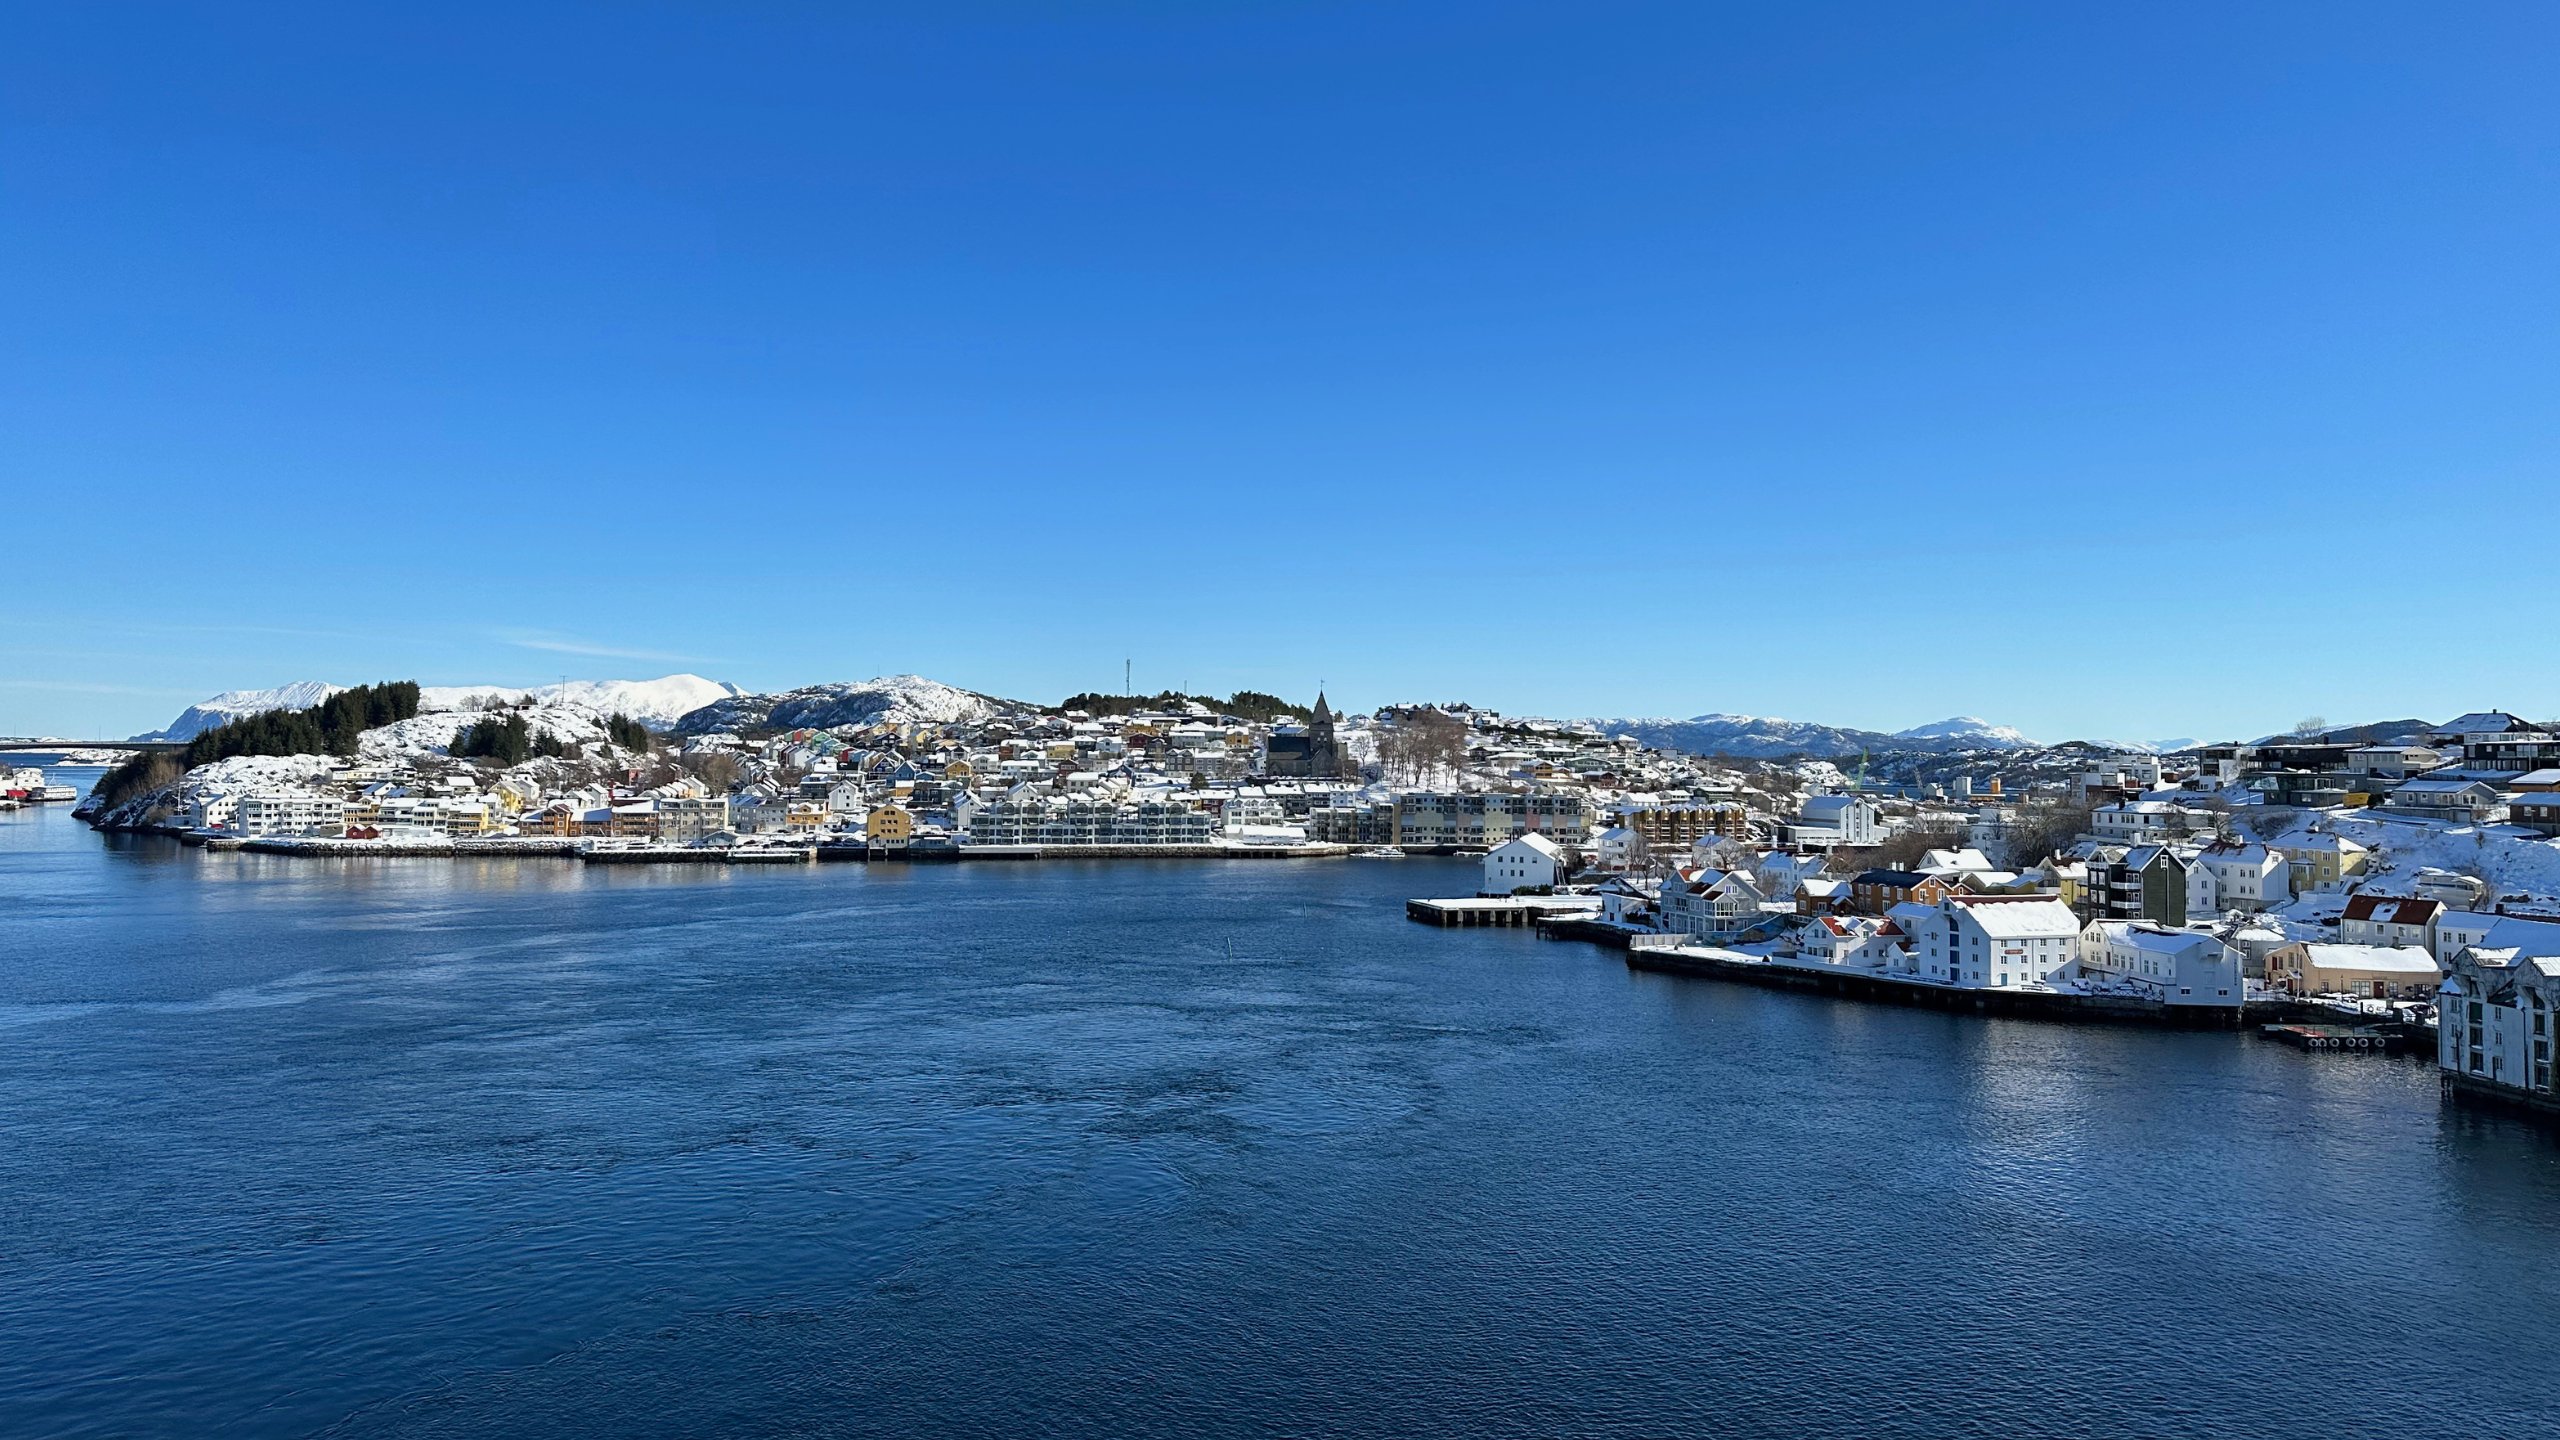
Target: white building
pixel 1524 862
pixel 2459 930
pixel 2146 822
pixel 1993 941
pixel 685 820
pixel 289 812
pixel 1710 904
pixel 2246 877
pixel 1843 820
pixel 2174 967
pixel 2495 1012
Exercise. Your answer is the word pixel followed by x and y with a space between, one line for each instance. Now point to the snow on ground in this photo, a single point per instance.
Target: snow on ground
pixel 433 733
pixel 883 700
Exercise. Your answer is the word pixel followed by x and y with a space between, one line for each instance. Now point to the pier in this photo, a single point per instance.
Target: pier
pixel 1516 910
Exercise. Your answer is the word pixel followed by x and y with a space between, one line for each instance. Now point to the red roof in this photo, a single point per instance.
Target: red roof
pixel 2392 909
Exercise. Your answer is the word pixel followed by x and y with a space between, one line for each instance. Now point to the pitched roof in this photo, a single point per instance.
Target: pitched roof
pixel 2391 909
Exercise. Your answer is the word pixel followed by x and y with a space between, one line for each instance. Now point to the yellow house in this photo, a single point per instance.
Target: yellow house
pixel 959 770
pixel 890 825
pixel 2321 862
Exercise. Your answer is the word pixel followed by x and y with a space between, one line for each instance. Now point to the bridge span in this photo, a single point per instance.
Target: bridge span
pixel 47 747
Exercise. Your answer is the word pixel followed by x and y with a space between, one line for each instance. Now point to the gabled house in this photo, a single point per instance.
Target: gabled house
pixel 2496 1012
pixel 2173 967
pixel 2371 919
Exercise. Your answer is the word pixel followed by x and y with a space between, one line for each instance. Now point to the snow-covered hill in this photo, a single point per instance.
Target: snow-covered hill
pixel 655 703
pixel 432 732
pixel 232 705
pixel 888 699
pixel 1971 731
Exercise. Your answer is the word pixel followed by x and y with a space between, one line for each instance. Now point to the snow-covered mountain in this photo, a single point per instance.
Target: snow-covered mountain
pixel 889 699
pixel 232 705
pixel 1973 731
pixel 655 703
pixel 1765 737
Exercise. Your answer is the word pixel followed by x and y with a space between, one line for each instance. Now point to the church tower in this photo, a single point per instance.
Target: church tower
pixel 1323 759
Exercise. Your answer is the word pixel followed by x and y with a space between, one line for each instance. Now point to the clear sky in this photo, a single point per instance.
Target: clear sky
pixel 2128 371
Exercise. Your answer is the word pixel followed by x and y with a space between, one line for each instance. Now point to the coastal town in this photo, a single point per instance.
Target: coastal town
pixel 2356 887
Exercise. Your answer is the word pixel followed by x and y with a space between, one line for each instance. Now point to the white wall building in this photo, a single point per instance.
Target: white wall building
pixel 289 812
pixel 2174 967
pixel 1524 862
pixel 2246 877
pixel 1994 942
pixel 1845 820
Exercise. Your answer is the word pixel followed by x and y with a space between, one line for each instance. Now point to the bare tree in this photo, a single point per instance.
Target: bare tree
pixel 2310 727
pixel 2043 830
pixel 717 769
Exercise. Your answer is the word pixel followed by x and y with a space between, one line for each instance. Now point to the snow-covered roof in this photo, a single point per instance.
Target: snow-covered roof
pixel 2004 919
pixel 2377 959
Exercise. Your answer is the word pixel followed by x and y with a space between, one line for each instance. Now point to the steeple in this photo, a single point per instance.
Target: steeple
pixel 1324 712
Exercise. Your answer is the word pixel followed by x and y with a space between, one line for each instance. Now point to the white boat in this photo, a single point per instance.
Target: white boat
pixel 1378 852
pixel 57 792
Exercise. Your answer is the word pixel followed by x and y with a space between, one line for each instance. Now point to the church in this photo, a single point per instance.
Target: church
pixel 1308 754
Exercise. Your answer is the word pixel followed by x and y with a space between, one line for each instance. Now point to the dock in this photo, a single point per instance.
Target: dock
pixel 2365 1039
pixel 1519 910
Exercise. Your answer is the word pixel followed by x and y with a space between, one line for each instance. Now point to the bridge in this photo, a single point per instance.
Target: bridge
pixel 48 747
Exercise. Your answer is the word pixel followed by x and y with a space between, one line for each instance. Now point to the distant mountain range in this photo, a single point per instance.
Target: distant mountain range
pixel 1764 737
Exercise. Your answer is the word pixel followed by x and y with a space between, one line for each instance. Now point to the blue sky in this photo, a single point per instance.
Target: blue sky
pixel 2169 370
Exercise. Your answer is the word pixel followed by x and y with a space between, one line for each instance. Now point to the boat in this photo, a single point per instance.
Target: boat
pixel 1378 852
pixel 57 792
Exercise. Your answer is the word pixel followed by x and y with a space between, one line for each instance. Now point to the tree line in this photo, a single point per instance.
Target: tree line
pixel 328 728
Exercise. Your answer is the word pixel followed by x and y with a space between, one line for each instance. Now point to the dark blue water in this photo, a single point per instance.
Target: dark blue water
pixel 427 1148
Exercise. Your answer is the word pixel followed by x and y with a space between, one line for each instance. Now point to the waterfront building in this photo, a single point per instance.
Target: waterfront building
pixel 2495 1013
pixel 2174 967
pixel 289 812
pixel 1081 820
pixel 1523 862
pixel 1427 819
pixel 691 819
pixel 1993 941
pixel 1717 905
pixel 2377 972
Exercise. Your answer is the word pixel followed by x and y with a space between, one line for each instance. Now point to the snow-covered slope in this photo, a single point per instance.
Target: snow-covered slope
pixel 888 699
pixel 655 703
pixel 231 705
pixel 431 732
pixel 1970 730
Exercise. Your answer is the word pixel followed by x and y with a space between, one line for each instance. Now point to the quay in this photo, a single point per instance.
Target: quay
pixel 1702 962
pixel 1518 910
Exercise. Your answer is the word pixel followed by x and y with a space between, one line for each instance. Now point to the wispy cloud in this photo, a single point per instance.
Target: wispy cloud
pixel 84 687
pixel 558 644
